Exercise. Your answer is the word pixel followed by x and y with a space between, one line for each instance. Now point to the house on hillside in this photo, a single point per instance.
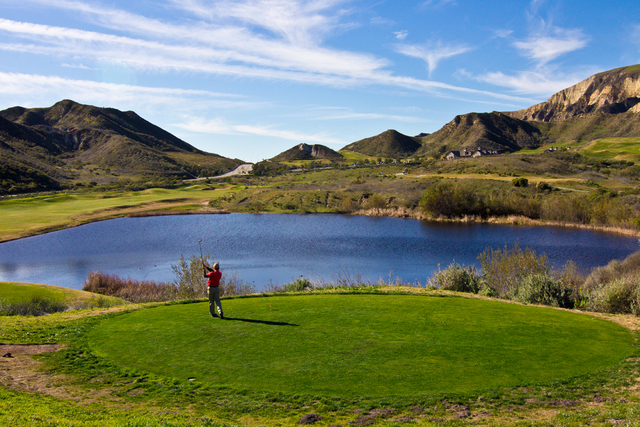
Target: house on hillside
pixel 451 155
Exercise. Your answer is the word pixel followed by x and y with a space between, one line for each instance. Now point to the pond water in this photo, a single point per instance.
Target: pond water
pixel 264 248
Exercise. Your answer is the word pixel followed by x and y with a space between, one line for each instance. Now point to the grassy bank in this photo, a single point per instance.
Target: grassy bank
pixel 37 300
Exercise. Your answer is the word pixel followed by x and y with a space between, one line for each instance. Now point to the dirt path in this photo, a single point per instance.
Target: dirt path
pixel 243 169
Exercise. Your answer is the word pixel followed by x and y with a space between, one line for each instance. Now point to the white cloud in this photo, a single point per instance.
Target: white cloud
pixel 378 20
pixel 437 3
pixel 542 82
pixel 401 35
pixel 28 87
pixel 431 53
pixel 219 126
pixel 547 45
pixel 227 43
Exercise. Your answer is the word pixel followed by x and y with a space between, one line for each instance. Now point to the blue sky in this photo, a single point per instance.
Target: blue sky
pixel 251 78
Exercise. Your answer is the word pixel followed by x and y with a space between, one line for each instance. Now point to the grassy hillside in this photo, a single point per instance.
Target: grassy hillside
pixel 70 145
pixel 389 144
pixel 21 292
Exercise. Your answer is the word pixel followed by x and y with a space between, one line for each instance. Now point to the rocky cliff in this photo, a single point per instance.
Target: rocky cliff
pixel 611 92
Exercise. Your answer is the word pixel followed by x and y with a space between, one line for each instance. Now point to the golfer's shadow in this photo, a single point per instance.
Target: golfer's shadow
pixel 264 322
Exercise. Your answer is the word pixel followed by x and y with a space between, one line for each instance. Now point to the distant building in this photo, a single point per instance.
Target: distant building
pixel 451 155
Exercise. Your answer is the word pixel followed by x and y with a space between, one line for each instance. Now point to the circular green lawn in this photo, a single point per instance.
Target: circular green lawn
pixel 362 345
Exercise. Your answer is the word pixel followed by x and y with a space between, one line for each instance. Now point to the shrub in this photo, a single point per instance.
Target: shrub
pixel 129 289
pixel 520 182
pixel 190 281
pixel 299 285
pixel 543 186
pixel 543 289
pixel 36 306
pixel 451 201
pixel 505 268
pixel 617 296
pixel 232 285
pixel 458 278
pixel 629 267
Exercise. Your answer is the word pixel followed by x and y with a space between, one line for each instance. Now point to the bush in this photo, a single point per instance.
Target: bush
pixel 504 269
pixel 299 285
pixel 458 278
pixel 543 289
pixel 543 186
pixel 129 289
pixel 190 282
pixel 520 182
pixel 36 306
pixel 629 267
pixel 232 285
pixel 617 296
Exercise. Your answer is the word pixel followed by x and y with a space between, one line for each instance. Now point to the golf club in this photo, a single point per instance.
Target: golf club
pixel 201 257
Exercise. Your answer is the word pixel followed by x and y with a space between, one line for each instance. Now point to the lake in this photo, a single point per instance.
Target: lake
pixel 264 248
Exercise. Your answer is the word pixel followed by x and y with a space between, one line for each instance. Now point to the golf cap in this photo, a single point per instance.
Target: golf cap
pixel 216 266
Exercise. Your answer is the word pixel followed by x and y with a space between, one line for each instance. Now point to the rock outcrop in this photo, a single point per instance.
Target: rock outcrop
pixel 612 92
pixel 307 152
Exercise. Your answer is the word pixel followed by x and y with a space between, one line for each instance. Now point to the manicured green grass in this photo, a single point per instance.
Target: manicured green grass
pixel 22 217
pixel 362 345
pixel 614 148
pixel 21 292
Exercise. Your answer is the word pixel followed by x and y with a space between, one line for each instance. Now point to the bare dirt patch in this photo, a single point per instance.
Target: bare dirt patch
pixel 20 371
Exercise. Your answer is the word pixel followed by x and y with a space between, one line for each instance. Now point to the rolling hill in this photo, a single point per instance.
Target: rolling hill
pixel 606 105
pixel 307 152
pixel 74 144
pixel 390 143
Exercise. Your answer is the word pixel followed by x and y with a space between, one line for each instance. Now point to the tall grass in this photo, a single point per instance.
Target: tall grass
pixel 41 306
pixel 189 283
pixel 129 289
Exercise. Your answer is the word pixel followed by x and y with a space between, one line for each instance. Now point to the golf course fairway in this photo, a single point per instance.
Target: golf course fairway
pixel 362 345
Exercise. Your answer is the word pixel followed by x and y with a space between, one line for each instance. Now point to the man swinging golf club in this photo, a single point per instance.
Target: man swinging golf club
pixel 213 287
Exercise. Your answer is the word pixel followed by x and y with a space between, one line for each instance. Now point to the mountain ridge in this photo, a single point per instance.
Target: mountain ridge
pixel 75 144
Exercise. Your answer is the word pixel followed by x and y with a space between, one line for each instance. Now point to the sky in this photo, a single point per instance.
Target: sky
pixel 249 79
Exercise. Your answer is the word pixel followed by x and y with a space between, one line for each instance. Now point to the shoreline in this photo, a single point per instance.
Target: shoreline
pixel 374 212
pixel 508 220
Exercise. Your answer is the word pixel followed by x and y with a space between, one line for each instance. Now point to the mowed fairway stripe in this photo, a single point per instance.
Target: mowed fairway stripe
pixel 362 345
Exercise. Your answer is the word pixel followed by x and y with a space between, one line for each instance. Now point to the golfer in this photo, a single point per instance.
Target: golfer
pixel 213 287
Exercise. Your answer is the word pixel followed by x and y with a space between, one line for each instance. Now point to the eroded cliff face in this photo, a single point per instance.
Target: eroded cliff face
pixel 612 92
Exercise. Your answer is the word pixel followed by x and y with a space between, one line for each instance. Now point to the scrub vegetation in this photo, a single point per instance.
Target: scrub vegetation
pixel 27 299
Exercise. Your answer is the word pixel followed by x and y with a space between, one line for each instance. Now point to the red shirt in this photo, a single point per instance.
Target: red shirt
pixel 214 278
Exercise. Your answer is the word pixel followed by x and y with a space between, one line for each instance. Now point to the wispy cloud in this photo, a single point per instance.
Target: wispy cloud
pixel 550 43
pixel 432 53
pixel 35 87
pixel 342 113
pixel 542 82
pixel 220 126
pixel 226 41
pixel 401 35
pixel 431 4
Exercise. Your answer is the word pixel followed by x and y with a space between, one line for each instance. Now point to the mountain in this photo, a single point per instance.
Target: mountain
pixel 483 131
pixel 72 144
pixel 604 105
pixel 391 144
pixel 608 93
pixel 307 152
